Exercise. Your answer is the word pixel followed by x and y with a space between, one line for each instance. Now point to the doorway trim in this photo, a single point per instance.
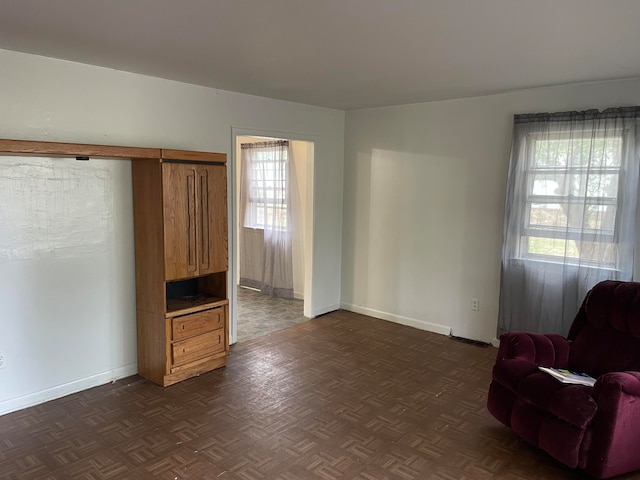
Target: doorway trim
pixel 233 213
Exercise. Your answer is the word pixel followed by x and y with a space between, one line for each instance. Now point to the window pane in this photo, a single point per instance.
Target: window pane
pixel 555 247
pixel 578 217
pixel 597 252
pixel 602 185
pixel 606 152
pixel 578 152
pixel 585 251
pixel 551 153
pixel 281 218
pixel 600 217
pixel 260 216
pixel 547 215
pixel 576 184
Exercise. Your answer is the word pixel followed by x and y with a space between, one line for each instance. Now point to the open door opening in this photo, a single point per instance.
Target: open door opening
pixel 261 216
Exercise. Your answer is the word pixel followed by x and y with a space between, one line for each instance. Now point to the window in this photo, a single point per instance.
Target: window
pixel 572 198
pixel 570 213
pixel 267 177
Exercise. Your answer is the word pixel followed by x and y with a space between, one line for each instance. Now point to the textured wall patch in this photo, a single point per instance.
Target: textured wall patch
pixel 54 207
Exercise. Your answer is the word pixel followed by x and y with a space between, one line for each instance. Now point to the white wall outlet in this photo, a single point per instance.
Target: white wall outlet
pixel 3 362
pixel 475 304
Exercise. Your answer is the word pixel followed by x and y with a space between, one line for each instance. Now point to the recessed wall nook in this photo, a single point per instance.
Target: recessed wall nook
pixel 181 253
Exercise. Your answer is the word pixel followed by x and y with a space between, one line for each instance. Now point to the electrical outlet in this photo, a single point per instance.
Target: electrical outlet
pixel 3 362
pixel 475 304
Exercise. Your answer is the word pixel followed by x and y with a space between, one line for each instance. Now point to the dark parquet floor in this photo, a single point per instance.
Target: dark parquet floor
pixel 342 396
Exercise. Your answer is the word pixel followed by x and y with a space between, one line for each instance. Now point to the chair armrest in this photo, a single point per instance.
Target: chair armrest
pixel 616 425
pixel 547 350
pixel 625 382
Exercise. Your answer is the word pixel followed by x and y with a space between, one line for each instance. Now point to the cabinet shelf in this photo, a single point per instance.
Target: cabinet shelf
pixel 183 306
pixel 196 294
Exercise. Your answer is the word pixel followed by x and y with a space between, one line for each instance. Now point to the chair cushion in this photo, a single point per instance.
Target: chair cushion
pixel 509 372
pixel 572 403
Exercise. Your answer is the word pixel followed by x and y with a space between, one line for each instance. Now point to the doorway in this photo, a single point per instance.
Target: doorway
pixel 254 313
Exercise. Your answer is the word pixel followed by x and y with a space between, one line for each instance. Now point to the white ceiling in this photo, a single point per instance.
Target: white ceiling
pixel 343 54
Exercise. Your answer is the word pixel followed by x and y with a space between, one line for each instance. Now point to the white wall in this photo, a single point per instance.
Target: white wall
pixel 424 189
pixel 301 160
pixel 52 100
pixel 68 293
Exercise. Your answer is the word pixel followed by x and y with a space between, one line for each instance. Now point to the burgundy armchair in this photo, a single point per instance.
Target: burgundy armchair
pixel 596 429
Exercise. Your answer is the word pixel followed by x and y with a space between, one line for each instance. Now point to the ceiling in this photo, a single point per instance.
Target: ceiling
pixel 343 54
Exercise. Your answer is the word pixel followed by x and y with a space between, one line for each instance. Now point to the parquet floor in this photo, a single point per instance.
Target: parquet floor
pixel 342 396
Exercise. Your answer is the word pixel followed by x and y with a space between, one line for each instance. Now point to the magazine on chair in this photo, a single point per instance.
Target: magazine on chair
pixel 567 376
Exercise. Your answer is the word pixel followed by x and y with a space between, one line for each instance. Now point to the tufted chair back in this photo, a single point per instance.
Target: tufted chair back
pixel 605 334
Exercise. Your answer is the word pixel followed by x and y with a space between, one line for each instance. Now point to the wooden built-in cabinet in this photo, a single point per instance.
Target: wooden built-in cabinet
pixel 180 220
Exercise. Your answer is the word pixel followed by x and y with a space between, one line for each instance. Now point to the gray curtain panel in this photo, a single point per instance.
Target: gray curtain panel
pixel 265 215
pixel 570 213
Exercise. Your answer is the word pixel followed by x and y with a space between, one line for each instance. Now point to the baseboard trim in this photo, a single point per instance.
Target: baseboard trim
pixel 495 342
pixel 58 391
pixel 391 317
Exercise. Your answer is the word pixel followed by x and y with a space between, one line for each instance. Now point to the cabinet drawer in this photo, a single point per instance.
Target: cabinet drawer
pixel 197 323
pixel 197 347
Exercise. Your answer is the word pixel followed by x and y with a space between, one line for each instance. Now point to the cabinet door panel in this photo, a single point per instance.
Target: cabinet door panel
pixel 203 225
pixel 212 219
pixel 179 182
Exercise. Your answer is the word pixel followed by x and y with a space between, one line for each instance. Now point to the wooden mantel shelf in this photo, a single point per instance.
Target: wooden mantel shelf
pixel 18 147
pixel 29 147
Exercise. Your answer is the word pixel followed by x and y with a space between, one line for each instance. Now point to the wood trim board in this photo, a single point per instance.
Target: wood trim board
pixel 168 154
pixel 17 147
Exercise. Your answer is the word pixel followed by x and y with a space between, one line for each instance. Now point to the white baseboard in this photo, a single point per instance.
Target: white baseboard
pixel 18 403
pixel 495 342
pixel 410 322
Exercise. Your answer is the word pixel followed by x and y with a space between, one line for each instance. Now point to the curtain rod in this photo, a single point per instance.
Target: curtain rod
pixel 275 143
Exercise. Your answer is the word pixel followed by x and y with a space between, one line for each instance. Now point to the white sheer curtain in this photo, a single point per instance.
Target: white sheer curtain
pixel 570 217
pixel 265 199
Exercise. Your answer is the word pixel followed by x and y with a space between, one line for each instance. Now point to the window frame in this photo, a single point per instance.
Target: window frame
pixel 254 202
pixel 528 231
